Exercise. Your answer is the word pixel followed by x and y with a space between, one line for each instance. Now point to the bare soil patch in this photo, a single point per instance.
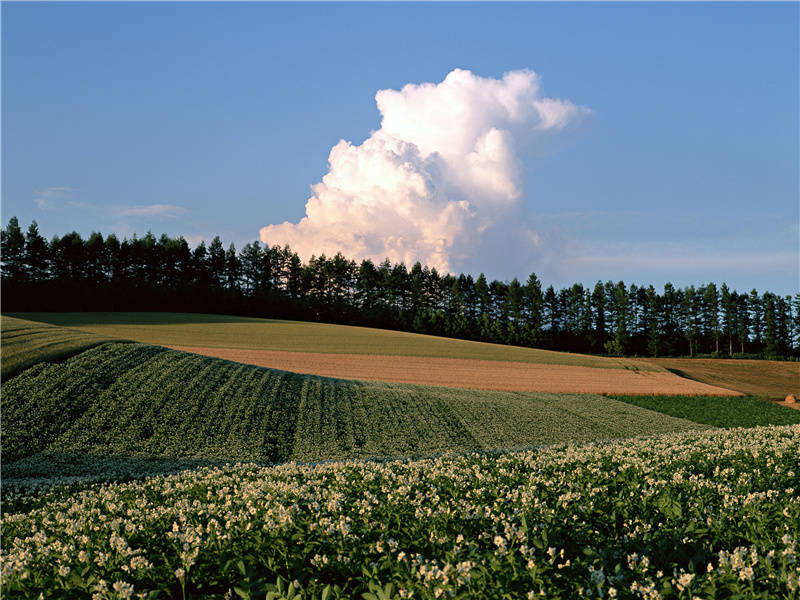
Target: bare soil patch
pixel 771 379
pixel 470 374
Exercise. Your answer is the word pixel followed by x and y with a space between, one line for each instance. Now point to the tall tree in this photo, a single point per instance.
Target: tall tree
pixel 533 306
pixel 36 256
pixel 13 251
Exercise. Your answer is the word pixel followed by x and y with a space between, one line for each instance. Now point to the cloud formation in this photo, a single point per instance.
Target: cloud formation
pixel 166 211
pixel 47 197
pixel 441 170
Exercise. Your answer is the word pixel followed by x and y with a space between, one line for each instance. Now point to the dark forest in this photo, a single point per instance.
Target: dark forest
pixel 69 273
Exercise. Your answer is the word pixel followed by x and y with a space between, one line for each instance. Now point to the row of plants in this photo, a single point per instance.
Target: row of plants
pixel 136 400
pixel 709 514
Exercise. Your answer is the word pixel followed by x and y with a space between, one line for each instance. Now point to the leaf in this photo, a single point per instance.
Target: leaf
pixel 242 593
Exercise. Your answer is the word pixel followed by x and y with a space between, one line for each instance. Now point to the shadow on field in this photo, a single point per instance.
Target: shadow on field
pixel 41 472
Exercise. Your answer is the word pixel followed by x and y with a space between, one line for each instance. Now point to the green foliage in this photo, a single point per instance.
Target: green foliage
pixel 719 411
pixel 670 517
pixel 26 343
pixel 129 400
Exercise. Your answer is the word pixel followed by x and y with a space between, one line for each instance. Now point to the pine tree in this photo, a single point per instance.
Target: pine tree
pixel 12 252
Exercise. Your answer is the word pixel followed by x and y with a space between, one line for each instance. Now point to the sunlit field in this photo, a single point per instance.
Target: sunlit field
pixel 672 516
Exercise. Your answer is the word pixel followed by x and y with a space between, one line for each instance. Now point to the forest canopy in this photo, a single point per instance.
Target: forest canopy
pixel 69 273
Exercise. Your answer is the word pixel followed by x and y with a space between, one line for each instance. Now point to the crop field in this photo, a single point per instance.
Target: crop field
pixel 662 517
pixel 726 411
pixel 25 343
pixel 243 333
pixel 470 374
pixel 766 378
pixel 135 400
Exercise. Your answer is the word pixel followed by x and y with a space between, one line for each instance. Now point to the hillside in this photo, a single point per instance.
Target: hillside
pixel 26 343
pixel 243 333
pixel 767 378
pixel 138 400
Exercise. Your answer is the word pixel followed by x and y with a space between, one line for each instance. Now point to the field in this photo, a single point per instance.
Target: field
pixel 132 470
pixel 728 411
pixel 243 333
pixel 767 378
pixel 470 374
pixel 664 517
pixel 26 343
pixel 135 400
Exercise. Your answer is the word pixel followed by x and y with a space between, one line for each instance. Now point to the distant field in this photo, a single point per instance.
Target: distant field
pixel 242 333
pixel 131 400
pixel 728 411
pixel 766 378
pixel 470 374
pixel 25 343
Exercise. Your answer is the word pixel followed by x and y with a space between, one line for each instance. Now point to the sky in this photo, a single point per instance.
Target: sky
pixel 643 142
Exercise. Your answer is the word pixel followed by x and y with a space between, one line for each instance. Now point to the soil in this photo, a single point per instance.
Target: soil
pixel 470 374
pixel 770 379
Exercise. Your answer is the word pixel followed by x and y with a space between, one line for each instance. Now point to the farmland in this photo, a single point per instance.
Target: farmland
pixel 243 333
pixel 135 400
pixel 662 517
pixel 26 343
pixel 766 378
pixel 471 374
pixel 725 411
pixel 135 470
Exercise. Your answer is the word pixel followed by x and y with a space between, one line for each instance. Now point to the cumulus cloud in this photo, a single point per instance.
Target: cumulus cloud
pixel 443 168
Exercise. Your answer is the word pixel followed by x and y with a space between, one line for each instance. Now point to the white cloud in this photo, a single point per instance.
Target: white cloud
pixel 442 169
pixel 47 197
pixel 166 211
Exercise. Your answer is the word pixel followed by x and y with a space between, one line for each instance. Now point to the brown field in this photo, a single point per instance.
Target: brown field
pixel 766 378
pixel 470 374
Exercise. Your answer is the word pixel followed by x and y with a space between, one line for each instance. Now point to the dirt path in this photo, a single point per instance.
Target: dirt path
pixel 472 374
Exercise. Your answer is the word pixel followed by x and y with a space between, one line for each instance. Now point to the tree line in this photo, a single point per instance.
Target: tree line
pixel 69 273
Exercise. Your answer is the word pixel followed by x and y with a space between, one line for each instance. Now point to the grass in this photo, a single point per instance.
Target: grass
pixel 218 331
pixel 26 343
pixel 136 400
pixel 722 411
pixel 766 378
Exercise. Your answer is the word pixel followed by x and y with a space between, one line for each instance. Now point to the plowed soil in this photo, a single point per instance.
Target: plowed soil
pixel 470 374
pixel 771 379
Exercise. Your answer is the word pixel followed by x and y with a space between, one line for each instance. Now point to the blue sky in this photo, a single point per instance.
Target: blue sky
pixel 205 119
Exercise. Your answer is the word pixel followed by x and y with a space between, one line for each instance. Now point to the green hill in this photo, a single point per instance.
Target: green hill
pixel 26 343
pixel 135 400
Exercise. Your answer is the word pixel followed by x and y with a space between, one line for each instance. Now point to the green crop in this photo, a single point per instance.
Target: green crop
pixel 134 400
pixel 26 343
pixel 712 514
pixel 719 411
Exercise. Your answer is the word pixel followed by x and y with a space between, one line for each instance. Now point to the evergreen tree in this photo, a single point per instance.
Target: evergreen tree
pixel 36 256
pixel 533 306
pixel 12 252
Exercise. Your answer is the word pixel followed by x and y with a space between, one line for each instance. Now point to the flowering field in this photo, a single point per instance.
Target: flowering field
pixel 711 514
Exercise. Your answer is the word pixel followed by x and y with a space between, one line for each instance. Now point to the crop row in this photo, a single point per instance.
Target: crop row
pixel 711 514
pixel 135 400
